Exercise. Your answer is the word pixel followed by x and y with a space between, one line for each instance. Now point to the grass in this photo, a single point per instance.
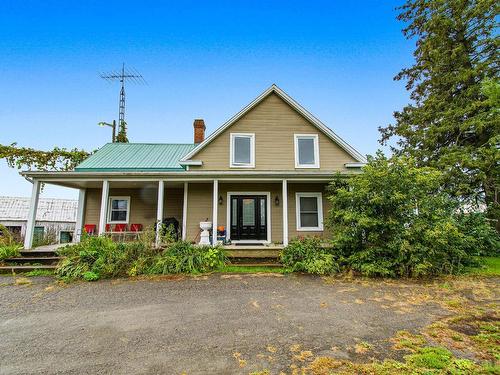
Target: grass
pixel 39 273
pixel 251 269
pixel 490 266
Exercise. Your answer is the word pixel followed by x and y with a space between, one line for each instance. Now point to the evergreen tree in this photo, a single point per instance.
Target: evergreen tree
pixel 453 122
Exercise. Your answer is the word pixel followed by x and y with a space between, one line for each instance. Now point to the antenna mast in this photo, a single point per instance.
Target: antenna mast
pixel 133 76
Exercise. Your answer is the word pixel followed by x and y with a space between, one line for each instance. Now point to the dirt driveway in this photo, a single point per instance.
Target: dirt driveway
pixel 218 324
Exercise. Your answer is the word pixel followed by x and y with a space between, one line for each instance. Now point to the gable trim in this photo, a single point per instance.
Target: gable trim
pixel 290 101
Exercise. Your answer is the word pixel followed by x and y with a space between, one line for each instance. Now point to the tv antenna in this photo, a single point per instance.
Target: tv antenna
pixel 129 74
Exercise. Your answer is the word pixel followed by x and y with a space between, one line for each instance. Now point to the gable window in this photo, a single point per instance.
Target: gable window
pixel 242 150
pixel 309 208
pixel 119 210
pixel 306 151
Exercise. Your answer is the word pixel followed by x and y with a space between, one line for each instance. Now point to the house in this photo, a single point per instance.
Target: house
pixel 261 176
pixel 55 218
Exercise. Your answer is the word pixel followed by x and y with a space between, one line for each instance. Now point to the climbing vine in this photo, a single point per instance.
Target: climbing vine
pixel 58 159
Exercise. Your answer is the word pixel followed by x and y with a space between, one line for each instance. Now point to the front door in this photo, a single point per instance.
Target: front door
pixel 249 217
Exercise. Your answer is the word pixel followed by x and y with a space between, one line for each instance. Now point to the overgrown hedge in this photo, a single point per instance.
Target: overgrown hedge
pixel 100 257
pixel 395 220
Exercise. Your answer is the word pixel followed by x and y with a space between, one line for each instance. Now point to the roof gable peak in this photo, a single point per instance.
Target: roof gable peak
pixel 292 103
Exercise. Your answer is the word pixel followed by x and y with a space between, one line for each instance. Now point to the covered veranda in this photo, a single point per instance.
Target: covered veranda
pixel 190 198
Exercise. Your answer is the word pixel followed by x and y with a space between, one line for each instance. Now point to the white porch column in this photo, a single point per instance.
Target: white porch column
pixel 103 216
pixel 159 211
pixel 77 235
pixel 30 225
pixel 215 204
pixel 285 212
pixel 184 212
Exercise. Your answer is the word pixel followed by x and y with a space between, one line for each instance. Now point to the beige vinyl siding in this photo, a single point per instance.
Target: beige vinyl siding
pixel 143 204
pixel 199 208
pixel 292 212
pixel 274 123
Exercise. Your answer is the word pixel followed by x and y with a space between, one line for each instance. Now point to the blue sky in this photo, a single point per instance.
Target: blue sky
pixel 201 60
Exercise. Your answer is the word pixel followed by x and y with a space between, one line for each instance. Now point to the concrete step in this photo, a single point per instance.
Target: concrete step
pixel 33 259
pixel 261 253
pixel 28 268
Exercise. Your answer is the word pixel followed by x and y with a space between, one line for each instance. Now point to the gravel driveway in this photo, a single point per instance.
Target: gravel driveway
pixel 218 324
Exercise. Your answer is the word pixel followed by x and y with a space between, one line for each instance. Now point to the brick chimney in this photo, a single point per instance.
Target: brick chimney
pixel 199 130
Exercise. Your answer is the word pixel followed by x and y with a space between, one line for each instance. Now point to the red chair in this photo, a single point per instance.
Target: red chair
pixel 108 228
pixel 89 229
pixel 120 227
pixel 136 227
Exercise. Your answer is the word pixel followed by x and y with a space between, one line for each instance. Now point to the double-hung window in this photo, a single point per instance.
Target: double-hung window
pixel 306 151
pixel 309 208
pixel 119 210
pixel 242 150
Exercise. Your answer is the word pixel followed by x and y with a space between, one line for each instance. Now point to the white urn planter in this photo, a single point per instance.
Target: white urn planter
pixel 205 234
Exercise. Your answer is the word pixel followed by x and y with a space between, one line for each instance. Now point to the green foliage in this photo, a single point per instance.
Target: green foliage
pixel 121 137
pixel 58 159
pixel 9 251
pixel 305 254
pixel 100 257
pixel 482 238
pixel 430 358
pixel 487 266
pixel 453 122
pixel 8 245
pixel 90 276
pixel 395 220
pixel 35 273
pixel 183 257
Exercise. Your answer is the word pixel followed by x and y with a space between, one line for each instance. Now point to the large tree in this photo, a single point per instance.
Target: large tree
pixel 453 121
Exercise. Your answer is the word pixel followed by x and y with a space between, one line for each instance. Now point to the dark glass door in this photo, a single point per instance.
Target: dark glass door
pixel 248 217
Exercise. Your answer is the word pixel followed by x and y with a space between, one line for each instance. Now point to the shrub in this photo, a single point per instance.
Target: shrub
pixel 183 257
pixel 99 257
pixel 395 219
pixel 305 254
pixel 482 238
pixel 8 251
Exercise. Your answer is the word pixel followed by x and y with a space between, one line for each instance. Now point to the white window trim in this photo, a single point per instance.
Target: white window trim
pixel 316 150
pixel 111 198
pixel 319 197
pixel 252 150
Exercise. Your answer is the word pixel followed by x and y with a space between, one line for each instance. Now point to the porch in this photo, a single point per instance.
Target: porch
pixel 259 214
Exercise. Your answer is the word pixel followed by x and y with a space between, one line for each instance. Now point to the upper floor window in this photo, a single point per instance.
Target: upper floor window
pixel 119 209
pixel 242 150
pixel 306 151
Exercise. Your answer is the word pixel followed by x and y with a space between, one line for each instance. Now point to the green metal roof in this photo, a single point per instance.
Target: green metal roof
pixel 115 157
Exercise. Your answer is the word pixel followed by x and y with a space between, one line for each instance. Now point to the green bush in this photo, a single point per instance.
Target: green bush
pixel 396 220
pixel 8 251
pixel 305 254
pixel 99 257
pixel 183 257
pixel 482 238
